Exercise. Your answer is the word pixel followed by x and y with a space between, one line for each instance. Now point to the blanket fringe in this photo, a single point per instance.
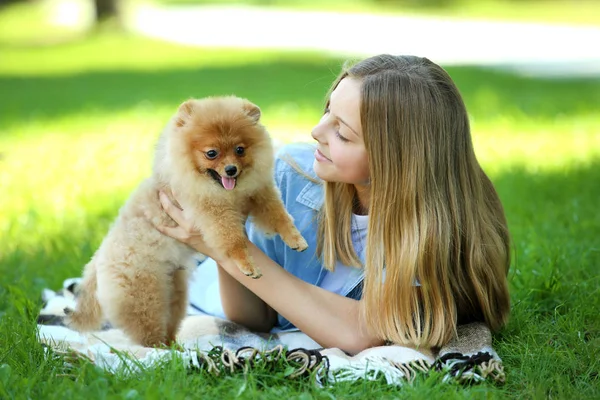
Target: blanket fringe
pixel 471 369
pixel 219 360
pixel 302 361
pixel 469 358
pixel 412 368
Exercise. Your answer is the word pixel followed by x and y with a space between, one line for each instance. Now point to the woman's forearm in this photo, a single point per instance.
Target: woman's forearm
pixel 329 319
pixel 242 306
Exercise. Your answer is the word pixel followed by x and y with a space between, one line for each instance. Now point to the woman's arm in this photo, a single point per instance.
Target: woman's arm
pixel 242 306
pixel 239 304
pixel 328 318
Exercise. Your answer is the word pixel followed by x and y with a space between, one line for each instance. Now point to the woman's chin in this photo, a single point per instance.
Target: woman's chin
pixel 320 170
pixel 325 172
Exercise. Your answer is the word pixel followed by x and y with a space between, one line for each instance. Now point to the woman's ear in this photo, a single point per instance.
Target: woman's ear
pixel 184 113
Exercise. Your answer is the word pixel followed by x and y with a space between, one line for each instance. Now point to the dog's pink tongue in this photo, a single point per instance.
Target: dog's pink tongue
pixel 228 183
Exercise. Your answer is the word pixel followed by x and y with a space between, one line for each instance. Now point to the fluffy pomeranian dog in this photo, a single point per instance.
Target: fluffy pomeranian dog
pixel 217 158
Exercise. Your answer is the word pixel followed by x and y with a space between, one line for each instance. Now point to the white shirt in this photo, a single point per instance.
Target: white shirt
pixel 339 280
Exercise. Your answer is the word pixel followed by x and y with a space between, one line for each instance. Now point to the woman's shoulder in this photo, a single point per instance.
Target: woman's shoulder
pixel 296 177
pixel 295 160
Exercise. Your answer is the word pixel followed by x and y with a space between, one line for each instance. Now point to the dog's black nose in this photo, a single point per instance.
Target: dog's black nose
pixel 231 170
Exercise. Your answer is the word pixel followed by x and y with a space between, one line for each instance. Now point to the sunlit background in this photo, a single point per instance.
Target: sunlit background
pixel 86 87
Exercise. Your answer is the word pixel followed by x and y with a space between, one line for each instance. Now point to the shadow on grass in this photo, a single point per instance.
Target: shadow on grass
pixel 271 83
pixel 494 93
pixel 267 84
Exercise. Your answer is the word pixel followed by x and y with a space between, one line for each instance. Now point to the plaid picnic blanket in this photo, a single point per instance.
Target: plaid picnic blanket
pixel 218 346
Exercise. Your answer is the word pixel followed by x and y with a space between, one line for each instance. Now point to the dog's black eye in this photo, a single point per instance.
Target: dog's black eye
pixel 239 151
pixel 211 154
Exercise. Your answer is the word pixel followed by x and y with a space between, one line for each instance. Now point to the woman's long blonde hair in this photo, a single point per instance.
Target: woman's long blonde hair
pixel 434 216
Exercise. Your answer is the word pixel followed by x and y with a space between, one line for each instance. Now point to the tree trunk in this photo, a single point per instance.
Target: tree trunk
pixel 106 10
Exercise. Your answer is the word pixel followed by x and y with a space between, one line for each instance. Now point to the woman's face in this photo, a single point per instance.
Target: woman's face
pixel 341 155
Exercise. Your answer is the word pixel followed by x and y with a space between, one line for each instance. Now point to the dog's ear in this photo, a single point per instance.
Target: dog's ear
pixel 184 113
pixel 252 111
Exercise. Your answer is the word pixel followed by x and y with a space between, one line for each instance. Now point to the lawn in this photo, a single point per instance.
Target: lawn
pixel 77 124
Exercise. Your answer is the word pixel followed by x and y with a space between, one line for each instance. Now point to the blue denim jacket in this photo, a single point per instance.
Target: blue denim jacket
pixel 302 199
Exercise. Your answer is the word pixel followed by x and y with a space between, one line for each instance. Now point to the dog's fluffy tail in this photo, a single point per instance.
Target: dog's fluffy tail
pixel 88 314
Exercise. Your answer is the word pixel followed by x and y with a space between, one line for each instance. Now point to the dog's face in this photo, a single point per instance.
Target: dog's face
pixel 224 137
pixel 223 160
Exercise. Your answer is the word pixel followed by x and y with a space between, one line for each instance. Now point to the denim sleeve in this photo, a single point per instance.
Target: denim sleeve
pixel 271 246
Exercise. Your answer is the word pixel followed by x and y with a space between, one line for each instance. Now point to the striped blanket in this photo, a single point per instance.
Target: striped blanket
pixel 216 346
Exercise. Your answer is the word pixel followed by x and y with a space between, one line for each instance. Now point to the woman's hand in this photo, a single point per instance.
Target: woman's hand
pixel 239 303
pixel 184 231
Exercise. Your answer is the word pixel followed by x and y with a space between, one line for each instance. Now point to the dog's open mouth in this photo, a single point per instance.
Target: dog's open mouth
pixel 225 181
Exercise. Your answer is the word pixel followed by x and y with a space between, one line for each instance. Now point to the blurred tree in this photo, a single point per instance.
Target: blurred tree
pixel 106 10
pixel 6 2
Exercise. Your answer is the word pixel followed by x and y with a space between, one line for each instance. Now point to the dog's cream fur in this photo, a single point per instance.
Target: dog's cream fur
pixel 138 278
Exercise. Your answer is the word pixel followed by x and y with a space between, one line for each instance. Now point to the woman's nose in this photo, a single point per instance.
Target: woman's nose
pixel 317 133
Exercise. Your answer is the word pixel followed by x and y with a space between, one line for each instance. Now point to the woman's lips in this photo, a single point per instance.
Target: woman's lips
pixel 321 157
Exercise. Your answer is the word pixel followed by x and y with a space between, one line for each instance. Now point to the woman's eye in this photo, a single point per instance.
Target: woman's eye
pixel 240 151
pixel 211 154
pixel 339 136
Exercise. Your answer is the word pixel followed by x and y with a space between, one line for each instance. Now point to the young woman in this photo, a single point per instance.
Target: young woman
pixel 407 236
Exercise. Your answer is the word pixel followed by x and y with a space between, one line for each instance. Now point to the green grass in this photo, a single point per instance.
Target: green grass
pixel 77 126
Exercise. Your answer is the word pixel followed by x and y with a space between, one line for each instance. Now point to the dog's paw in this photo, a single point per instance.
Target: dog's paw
pixel 254 274
pixel 298 244
pixel 248 269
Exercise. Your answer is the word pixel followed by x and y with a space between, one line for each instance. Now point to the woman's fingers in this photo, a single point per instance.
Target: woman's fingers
pixel 173 211
pixel 176 233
